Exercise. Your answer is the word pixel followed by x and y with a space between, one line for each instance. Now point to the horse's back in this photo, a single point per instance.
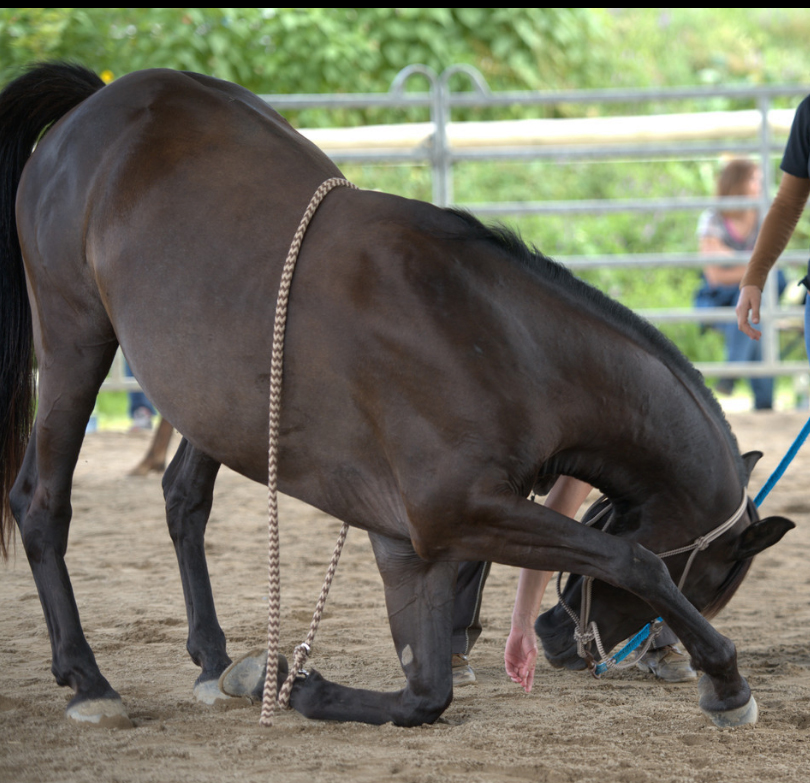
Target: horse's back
pixel 183 195
pixel 165 203
pixel 165 138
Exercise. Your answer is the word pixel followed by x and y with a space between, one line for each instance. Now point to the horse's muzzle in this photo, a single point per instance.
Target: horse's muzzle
pixel 555 629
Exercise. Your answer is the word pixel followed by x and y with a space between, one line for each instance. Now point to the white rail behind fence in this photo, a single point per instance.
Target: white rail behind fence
pixel 759 133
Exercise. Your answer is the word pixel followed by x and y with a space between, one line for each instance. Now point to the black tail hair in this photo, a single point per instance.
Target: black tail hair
pixel 28 106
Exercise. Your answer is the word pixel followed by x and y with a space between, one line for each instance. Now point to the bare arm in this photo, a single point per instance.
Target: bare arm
pixel 520 656
pixel 777 229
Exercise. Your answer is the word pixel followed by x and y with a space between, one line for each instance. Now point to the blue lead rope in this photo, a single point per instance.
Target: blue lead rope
pixel 631 645
pixel 783 465
pixel 641 637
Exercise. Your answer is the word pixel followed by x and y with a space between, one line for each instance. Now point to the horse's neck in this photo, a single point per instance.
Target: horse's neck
pixel 646 434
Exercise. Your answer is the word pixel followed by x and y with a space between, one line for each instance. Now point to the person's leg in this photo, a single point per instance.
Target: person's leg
pixel 741 348
pixel 472 575
pixel 762 387
pixel 807 318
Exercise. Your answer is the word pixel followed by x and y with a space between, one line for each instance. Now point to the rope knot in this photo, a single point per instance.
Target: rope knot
pixel 300 655
pixel 583 637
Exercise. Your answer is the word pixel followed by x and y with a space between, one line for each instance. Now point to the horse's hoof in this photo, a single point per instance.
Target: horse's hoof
pixel 732 719
pixel 104 713
pixel 209 693
pixel 746 715
pixel 245 676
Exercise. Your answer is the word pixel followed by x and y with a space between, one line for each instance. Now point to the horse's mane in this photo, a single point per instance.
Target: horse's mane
pixel 550 271
pixel 629 322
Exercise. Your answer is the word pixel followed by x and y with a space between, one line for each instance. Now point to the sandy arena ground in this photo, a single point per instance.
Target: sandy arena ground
pixel 625 728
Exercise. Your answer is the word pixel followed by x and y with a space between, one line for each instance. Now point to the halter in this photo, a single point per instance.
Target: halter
pixel 589 632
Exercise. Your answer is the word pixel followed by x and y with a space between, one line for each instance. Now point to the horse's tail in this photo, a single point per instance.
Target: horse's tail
pixel 28 105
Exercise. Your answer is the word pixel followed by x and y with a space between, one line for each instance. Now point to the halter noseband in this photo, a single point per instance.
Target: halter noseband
pixel 586 632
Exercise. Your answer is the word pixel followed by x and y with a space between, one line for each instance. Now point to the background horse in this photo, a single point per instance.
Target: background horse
pixel 154 461
pixel 437 371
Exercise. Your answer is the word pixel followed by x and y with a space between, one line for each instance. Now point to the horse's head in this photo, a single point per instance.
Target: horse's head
pixel 712 578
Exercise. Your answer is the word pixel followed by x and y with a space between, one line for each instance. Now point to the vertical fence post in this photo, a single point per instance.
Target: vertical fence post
pixel 438 142
pixel 443 158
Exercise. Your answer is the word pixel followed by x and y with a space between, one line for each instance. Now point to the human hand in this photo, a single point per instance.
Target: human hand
pixel 750 300
pixel 520 655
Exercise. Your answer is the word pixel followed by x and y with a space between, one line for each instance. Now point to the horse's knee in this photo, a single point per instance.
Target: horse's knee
pixel 434 542
pixel 425 707
pixel 645 572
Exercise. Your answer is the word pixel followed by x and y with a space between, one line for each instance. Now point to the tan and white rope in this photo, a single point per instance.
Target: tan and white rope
pixel 274 590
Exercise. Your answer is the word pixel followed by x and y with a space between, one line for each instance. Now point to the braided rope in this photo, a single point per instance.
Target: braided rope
pixel 276 371
pixel 303 650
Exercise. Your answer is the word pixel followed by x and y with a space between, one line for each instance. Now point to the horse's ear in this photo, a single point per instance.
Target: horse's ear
pixel 762 534
pixel 750 459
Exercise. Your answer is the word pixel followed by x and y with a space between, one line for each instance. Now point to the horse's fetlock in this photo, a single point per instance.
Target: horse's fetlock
pixel 726 656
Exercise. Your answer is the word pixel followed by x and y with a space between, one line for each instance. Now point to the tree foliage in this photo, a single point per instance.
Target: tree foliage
pixel 308 50
pixel 313 50
pixel 341 50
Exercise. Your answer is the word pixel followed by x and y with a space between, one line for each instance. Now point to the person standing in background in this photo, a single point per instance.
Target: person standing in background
pixel 722 232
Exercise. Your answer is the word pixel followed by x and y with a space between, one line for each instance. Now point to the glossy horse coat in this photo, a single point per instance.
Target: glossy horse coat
pixel 436 372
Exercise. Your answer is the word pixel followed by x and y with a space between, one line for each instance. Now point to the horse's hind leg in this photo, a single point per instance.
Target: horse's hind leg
pixel 154 461
pixel 188 486
pixel 419 597
pixel 71 372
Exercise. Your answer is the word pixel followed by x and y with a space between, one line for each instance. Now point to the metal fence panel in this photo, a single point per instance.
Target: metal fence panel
pixel 435 146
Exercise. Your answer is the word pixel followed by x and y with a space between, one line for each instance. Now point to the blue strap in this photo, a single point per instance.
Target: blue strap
pixel 631 645
pixel 783 465
pixel 642 635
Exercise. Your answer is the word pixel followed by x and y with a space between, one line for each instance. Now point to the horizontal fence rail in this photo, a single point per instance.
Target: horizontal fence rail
pixel 440 143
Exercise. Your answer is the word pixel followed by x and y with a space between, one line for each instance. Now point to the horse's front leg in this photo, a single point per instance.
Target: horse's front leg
pixel 515 531
pixel 188 487
pixel 419 598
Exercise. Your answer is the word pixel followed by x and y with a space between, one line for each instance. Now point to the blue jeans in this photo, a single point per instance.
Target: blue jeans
pixel 741 348
pixel 807 324
pixel 137 399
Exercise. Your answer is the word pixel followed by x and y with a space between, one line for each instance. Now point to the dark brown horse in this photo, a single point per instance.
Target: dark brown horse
pixel 437 371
